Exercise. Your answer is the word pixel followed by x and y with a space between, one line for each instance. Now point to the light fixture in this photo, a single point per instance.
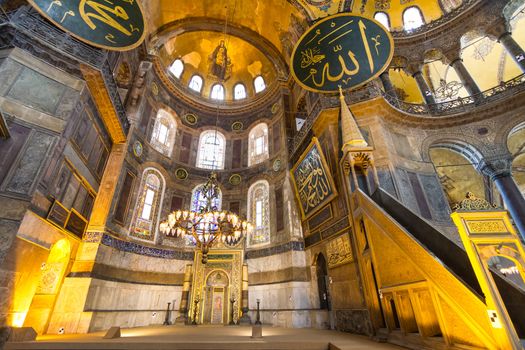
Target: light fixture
pixel 208 224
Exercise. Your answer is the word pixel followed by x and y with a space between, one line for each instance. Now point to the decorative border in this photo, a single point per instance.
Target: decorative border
pixel 136 248
pixel 314 142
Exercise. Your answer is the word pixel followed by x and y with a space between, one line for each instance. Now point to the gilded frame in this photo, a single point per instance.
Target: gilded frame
pixel 326 169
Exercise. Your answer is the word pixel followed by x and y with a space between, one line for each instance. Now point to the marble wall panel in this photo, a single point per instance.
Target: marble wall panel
pixel 386 181
pixel 435 197
pixel 282 296
pixel 9 70
pixel 37 91
pixel 403 147
pixel 24 175
pixel 405 190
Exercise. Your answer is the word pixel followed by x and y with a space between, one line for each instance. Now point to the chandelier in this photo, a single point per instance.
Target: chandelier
pixel 208 224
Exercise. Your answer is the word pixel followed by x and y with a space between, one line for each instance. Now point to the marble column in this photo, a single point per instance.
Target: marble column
pixel 424 88
pixel 183 308
pixel 513 49
pixel 468 82
pixel 245 318
pixel 387 84
pixel 499 171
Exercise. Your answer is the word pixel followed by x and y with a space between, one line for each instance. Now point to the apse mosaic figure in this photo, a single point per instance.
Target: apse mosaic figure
pixel 118 25
pixel 343 49
pixel 220 63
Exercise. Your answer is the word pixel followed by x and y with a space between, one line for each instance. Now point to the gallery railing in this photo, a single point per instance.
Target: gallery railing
pixel 29 22
pixel 441 109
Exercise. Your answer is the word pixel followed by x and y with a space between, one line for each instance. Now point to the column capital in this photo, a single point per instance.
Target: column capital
pixel 496 167
pixel 414 68
pixel 498 29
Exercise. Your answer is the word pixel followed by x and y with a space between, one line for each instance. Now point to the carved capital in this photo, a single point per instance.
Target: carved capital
pixel 496 167
pixel 497 29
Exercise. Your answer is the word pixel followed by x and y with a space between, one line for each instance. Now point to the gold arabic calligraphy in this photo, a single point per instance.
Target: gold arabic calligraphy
pixel 349 65
pixel 313 183
pixel 92 11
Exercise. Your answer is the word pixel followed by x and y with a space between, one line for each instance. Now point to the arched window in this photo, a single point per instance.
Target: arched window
pixel 259 213
pixel 147 209
pixel 211 150
pixel 383 18
pixel 239 91
pixel 177 68
pixel 196 83
pixel 198 201
pixel 259 84
pixel 217 92
pixel 164 130
pixel 412 18
pixel 258 144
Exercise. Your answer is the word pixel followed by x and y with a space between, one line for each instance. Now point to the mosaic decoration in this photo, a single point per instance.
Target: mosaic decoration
pixel 136 248
pixel 277 165
pixel 181 174
pixel 220 63
pixel 237 126
pixel 382 4
pixel 190 118
pixel 339 251
pixel 97 22
pixel 154 88
pixel 483 48
pixel 313 182
pixel 148 205
pixel 473 203
pixel 341 50
pixel 447 91
pixel 138 149
pixel 235 179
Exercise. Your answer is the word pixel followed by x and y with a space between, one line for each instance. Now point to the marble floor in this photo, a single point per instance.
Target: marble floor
pixel 208 337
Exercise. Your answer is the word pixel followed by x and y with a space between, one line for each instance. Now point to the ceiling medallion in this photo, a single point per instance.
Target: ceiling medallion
pixel 154 88
pixel 235 179
pixel 190 118
pixel 181 174
pixel 237 126
pixel 138 149
pixel 277 164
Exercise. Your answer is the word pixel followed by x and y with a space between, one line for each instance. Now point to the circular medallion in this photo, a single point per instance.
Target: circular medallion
pixel 190 118
pixel 275 107
pixel 235 179
pixel 154 89
pixel 237 126
pixel 138 149
pixel 341 51
pixel 277 165
pixel 181 174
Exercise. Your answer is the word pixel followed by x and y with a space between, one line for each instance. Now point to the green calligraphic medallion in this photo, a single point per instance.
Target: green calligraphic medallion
pixel 114 25
pixel 343 49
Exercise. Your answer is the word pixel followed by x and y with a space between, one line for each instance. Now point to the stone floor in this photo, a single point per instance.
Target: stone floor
pixel 208 337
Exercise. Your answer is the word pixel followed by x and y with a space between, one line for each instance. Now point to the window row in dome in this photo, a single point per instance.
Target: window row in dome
pixel 212 143
pixel 412 18
pixel 150 198
pixel 217 91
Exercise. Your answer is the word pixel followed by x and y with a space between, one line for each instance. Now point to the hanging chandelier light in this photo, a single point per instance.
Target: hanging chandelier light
pixel 208 224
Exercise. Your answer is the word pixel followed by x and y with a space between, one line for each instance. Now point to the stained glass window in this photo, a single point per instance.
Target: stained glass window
pixel 259 213
pixel 177 68
pixel 217 92
pixel 164 130
pixel 147 209
pixel 198 201
pixel 382 18
pixel 239 91
pixel 412 18
pixel 211 150
pixel 259 84
pixel 258 144
pixel 196 83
